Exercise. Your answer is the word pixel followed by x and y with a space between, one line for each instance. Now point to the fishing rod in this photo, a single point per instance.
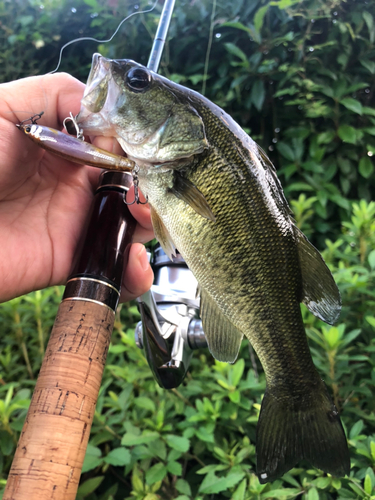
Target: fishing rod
pixel 51 449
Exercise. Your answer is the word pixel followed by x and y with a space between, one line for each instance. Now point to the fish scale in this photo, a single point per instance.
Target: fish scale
pixel 216 197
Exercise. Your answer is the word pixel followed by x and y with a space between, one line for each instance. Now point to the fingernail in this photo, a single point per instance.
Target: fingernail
pixel 143 259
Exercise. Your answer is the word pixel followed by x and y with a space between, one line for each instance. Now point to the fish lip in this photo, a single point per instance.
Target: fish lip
pixel 97 60
pixel 93 123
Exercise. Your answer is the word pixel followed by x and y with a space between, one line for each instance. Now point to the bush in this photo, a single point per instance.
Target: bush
pixel 300 77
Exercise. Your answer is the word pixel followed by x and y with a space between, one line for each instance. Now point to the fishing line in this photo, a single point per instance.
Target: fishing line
pixel 89 38
pixel 86 39
pixel 208 52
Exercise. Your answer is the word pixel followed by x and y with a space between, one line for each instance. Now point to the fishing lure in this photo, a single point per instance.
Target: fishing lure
pixel 73 148
pixel 77 150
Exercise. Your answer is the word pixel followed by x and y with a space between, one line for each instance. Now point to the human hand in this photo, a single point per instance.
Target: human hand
pixel 44 200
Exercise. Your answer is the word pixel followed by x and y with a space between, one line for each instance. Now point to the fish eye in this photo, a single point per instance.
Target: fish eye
pixel 138 79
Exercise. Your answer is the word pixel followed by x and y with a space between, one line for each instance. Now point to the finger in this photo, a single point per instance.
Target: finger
pixel 57 95
pixel 108 144
pixel 141 212
pixel 138 275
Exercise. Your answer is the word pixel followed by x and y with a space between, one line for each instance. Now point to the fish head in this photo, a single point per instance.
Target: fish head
pixel 151 117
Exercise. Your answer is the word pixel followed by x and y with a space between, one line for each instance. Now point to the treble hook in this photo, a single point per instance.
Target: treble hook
pixel 33 119
pixel 136 189
pixel 79 131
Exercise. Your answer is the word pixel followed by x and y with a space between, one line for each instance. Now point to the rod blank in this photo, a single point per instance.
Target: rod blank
pixel 161 35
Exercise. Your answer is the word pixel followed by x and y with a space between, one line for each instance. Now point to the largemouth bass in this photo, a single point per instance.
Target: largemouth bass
pixel 215 196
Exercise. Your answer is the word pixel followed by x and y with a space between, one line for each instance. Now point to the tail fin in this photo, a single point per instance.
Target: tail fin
pixel 291 429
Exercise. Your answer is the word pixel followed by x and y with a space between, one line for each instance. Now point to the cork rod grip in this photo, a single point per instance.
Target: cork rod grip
pixel 52 446
pixel 49 457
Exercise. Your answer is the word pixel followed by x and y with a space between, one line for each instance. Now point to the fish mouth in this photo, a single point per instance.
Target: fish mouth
pixel 100 94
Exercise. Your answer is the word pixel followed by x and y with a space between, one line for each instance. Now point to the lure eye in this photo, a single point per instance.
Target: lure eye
pixel 28 129
pixel 138 80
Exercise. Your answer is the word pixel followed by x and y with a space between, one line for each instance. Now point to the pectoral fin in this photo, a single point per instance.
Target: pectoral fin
pixel 190 194
pixel 162 234
pixel 223 338
pixel 319 290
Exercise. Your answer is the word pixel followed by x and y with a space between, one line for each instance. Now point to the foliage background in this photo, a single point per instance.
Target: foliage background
pixel 299 77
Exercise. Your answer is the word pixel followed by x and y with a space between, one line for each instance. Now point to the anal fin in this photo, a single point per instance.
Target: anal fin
pixel 319 290
pixel 223 338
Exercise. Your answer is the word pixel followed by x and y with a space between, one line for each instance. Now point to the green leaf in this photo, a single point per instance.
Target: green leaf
pixel 300 186
pixel 259 17
pixel 322 482
pixel 93 458
pixel 357 489
pixel 347 133
pixel 183 487
pixel 146 403
pixel 235 396
pixel 236 51
pixel 369 65
pixel 7 444
pixel 284 4
pixel 91 463
pixel 369 20
pixel 174 468
pixel 92 3
pixel 285 492
pixel 336 483
pixel 156 473
pixel 214 484
pixel 287 91
pixel 237 371
pixel 326 137
pixel 370 24
pixel 204 435
pixel 352 104
pixel 137 480
pixel 371 321
pixel 89 486
pixel 368 484
pixel 371 259
pixel 313 494
pixel 118 457
pixel 238 26
pixel 178 443
pixel 368 111
pixel 366 168
pixel 130 439
pixel 285 150
pixel 332 336
pixel 340 201
pixel 239 494
pixel 257 94
pixel 356 430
